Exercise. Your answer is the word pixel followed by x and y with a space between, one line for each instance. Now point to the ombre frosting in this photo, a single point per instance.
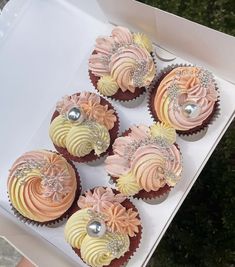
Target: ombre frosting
pixel 120 224
pixel 122 61
pixel 145 159
pixel 181 86
pixel 42 185
pixel 90 132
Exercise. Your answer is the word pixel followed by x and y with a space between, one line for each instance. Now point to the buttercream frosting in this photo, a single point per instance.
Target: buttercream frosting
pixel 145 159
pixel 88 133
pixel 184 85
pixel 121 223
pixel 124 60
pixel 42 185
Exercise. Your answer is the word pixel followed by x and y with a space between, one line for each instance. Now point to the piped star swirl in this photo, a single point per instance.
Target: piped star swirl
pixel 145 159
pixel 42 185
pixel 103 228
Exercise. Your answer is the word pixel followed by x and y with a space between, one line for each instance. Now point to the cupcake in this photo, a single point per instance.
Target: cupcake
pixel 83 127
pixel 185 98
pixel 146 162
pixel 121 65
pixel 106 228
pixel 42 187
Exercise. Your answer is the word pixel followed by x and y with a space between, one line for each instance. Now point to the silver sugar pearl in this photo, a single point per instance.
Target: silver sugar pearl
pixel 191 110
pixel 74 114
pixel 96 228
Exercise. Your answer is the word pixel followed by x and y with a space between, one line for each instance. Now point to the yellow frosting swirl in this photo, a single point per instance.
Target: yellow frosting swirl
pixel 107 85
pixel 79 141
pixel 142 40
pixel 96 251
pixel 75 228
pixel 163 131
pixel 128 185
pixel 82 139
pixel 58 130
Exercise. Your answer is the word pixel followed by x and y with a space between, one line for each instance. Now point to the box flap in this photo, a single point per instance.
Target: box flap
pixel 213 49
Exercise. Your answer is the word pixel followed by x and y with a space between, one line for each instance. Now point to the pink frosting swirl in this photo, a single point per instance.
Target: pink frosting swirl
pixel 91 106
pixel 100 199
pixel 147 167
pixel 194 86
pixel 127 63
pixel 47 182
pixel 152 165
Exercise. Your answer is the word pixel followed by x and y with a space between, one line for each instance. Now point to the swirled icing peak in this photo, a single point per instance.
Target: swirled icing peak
pixel 41 185
pixel 145 159
pixel 109 206
pixel 104 210
pixel 185 97
pixel 124 58
pixel 100 199
pixel 82 125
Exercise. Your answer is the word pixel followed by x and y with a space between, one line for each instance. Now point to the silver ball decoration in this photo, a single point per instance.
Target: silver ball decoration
pixel 191 110
pixel 75 115
pixel 96 228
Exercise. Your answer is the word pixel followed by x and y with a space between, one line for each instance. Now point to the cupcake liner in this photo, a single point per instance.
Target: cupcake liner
pixel 91 157
pixel 142 194
pixel 63 217
pixel 119 95
pixel 134 241
pixel 157 200
pixel 209 120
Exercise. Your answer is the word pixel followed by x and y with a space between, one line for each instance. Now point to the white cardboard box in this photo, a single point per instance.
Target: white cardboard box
pixel 44 49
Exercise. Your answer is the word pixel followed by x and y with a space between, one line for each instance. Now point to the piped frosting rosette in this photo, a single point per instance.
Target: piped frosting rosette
pixel 145 163
pixel 185 98
pixel 83 126
pixel 42 186
pixel 121 65
pixel 106 229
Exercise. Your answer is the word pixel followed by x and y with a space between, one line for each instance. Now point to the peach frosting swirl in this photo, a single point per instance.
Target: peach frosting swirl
pixel 146 158
pixel 105 202
pixel 90 105
pixel 100 199
pixel 181 86
pixel 123 60
pixel 132 67
pixel 42 185
pixel 112 239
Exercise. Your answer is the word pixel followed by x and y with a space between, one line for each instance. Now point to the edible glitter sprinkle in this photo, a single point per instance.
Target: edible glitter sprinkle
pixel 96 215
pixel 173 91
pixel 171 177
pixel 104 60
pixel 117 246
pixel 53 184
pixel 139 73
pixel 205 77
pixel 115 47
pixel 29 165
pixel 162 143
pixel 97 138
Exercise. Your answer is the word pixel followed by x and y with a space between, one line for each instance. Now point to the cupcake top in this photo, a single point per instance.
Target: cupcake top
pixel 82 124
pixel 145 158
pixel 122 61
pixel 185 98
pixel 103 227
pixel 42 185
